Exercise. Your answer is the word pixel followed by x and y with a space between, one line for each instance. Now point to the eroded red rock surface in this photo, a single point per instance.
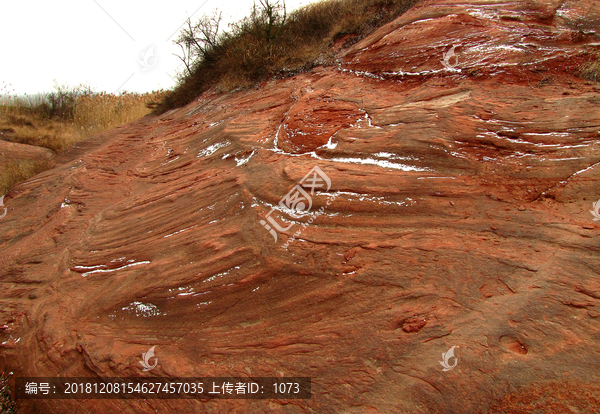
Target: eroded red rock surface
pixel 11 151
pixel 458 216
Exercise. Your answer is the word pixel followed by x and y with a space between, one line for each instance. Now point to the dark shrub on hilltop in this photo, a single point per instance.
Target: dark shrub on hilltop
pixel 271 42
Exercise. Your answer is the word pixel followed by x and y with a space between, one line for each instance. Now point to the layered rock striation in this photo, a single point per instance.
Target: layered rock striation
pixel 463 158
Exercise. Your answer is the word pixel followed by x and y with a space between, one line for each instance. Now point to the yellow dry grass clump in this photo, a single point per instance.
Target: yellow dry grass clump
pixel 99 112
pixel 591 71
pixel 29 122
pixel 13 172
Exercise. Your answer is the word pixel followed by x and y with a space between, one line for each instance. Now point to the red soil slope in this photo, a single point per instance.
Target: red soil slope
pixel 458 215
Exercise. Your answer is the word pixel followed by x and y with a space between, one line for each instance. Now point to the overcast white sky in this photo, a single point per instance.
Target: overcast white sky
pixel 99 42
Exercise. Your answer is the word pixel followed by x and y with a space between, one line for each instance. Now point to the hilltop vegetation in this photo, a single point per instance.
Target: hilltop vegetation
pixel 271 42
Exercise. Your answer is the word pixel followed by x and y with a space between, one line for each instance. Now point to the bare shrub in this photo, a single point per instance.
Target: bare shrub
pixel 270 42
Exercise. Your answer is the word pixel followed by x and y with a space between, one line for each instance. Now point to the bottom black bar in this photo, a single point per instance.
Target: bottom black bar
pixel 206 388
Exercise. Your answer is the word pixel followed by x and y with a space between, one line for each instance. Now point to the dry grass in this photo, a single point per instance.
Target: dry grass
pixel 100 112
pixel 7 405
pixel 245 56
pixel 13 172
pixel 91 114
pixel 23 125
pixel 27 122
pixel 591 71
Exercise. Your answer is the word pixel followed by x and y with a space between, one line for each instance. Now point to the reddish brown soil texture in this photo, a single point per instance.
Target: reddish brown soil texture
pixel 462 218
pixel 11 151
